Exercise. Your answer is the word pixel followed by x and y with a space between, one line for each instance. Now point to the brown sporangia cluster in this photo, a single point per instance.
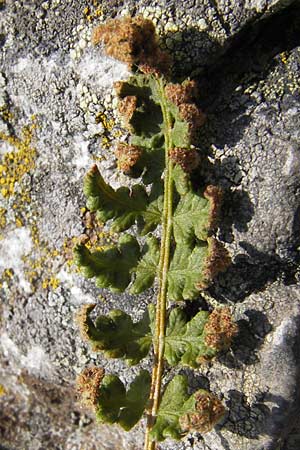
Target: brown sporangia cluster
pixel 92 229
pixel 81 319
pixel 127 107
pixel 88 384
pixel 215 196
pixel 183 96
pixel 220 329
pixel 127 156
pixel 187 159
pixel 218 260
pixel 133 41
pixel 209 410
pixel 191 114
pixel 182 93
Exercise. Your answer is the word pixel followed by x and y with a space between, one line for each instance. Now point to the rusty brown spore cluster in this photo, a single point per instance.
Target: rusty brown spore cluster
pixel 220 329
pixel 209 410
pixel 187 159
pixel 183 96
pixel 133 41
pixel 127 156
pixel 88 385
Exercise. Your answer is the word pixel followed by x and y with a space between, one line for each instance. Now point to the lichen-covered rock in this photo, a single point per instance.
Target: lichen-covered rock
pixel 249 89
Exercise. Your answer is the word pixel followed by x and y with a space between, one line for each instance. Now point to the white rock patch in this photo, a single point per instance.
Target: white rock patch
pixel 16 244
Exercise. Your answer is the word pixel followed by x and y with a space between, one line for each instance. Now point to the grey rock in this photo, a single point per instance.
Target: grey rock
pixel 249 78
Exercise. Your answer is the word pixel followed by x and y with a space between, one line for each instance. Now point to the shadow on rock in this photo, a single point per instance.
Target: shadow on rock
pixel 258 419
pixel 252 272
pixel 237 211
pixel 244 419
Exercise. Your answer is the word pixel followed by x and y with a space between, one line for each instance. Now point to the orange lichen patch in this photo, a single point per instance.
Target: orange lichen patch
pixel 127 156
pixel 19 222
pixel 182 93
pixel 220 329
pixel 18 162
pixel 133 41
pixel 88 385
pixel 15 164
pixel 188 159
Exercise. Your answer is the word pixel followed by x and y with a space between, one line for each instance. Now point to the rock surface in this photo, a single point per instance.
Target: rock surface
pixel 56 99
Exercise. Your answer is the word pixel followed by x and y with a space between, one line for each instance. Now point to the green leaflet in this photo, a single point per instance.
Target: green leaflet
pixel 102 264
pixel 136 400
pixel 153 212
pixel 181 180
pixel 186 271
pixel 116 335
pixel 113 268
pixel 146 269
pixel 185 341
pixel 115 405
pixel 180 413
pixel 180 134
pixel 191 218
pixel 121 205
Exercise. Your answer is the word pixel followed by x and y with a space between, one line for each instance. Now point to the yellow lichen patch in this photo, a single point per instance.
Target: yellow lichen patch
pixel 93 12
pixel 3 212
pixel 5 113
pixel 108 123
pixel 40 263
pixel 6 279
pixel 112 130
pixel 19 222
pixel 102 298
pixel 18 162
pixel 51 283
pixel 284 57
pixel 2 390
pixel 7 273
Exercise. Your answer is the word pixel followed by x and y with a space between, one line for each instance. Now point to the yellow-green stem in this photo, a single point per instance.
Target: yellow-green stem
pixel 164 261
